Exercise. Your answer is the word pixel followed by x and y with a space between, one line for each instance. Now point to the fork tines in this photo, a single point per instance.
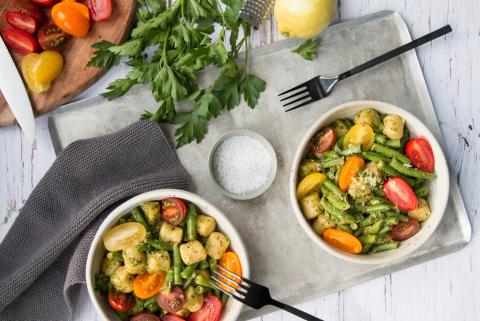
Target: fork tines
pixel 299 95
pixel 240 288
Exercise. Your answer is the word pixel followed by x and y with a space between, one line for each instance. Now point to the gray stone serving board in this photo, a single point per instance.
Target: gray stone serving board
pixel 282 256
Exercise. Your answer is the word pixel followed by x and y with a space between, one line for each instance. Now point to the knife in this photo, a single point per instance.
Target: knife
pixel 15 94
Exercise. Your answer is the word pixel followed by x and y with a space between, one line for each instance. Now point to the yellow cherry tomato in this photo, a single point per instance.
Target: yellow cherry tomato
pixel 124 236
pixel 72 17
pixel 309 184
pixel 360 134
pixel 39 70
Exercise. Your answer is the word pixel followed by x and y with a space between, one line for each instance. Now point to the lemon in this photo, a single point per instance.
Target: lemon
pixel 303 18
pixel 309 184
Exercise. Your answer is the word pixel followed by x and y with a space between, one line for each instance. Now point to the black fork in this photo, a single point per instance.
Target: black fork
pixel 320 86
pixel 252 294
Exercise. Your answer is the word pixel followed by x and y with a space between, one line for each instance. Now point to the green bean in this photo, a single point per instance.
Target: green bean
pixel 385 247
pixel 375 157
pixel 115 256
pixel 337 174
pixel 339 142
pixel 410 171
pixel 177 265
pixel 340 216
pixel 137 308
pixel 160 245
pixel 216 292
pixel 203 265
pixel 346 228
pixel 374 228
pixel 377 208
pixel 358 232
pixel 201 289
pixel 191 222
pixel 381 139
pixel 151 304
pixel 393 172
pixel 188 270
pixel 393 143
pixel 224 299
pixel 352 149
pixel 378 191
pixel 167 284
pixel 336 201
pixel 422 191
pixel 333 162
pixel 359 208
pixel 330 154
pixel 333 188
pixel 121 315
pixel 212 264
pixel 138 216
pixel 366 248
pixel 203 281
pixel 384 230
pixel 189 281
pixel 367 238
pixel 391 153
pixel 392 220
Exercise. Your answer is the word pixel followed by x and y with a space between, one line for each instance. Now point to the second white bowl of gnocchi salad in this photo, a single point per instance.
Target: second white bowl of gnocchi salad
pixel 153 256
pixel 369 182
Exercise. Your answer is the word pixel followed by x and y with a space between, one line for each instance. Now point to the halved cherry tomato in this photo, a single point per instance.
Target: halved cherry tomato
pixel 349 171
pixel 124 236
pixel 51 37
pixel 22 21
pixel 71 17
pixel 171 302
pixel 121 302
pixel 174 210
pixel 418 149
pixel 323 141
pixel 43 2
pixel 170 317
pixel 405 230
pixel 210 311
pixel 19 41
pixel 145 316
pixel 360 134
pixel 99 9
pixel 39 70
pixel 400 194
pixel 148 284
pixel 342 240
pixel 231 262
pixel 26 7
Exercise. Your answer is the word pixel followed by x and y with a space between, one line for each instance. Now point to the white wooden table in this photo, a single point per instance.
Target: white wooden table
pixel 444 289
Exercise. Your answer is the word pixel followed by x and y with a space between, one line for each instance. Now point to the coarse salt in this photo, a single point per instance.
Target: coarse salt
pixel 241 164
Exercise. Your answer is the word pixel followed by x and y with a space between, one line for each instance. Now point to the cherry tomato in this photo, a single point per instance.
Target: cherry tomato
pixel 22 21
pixel 405 230
pixel 71 17
pixel 171 302
pixel 148 284
pixel 360 134
pixel 231 262
pixel 26 7
pixel 43 2
pixel 19 41
pixel 51 37
pixel 400 194
pixel 418 149
pixel 323 141
pixel 342 240
pixel 174 210
pixel 310 183
pixel 39 70
pixel 124 236
pixel 121 302
pixel 99 9
pixel 170 317
pixel 145 316
pixel 210 310
pixel 349 171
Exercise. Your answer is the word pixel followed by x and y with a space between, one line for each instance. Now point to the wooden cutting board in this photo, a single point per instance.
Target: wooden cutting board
pixel 75 76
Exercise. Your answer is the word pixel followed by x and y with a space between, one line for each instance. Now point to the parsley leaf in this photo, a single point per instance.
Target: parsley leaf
pixel 102 56
pixel 251 87
pixel 130 48
pixel 308 49
pixel 165 113
pixel 118 88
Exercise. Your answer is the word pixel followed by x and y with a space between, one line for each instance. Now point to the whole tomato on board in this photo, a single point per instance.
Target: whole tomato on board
pixel 71 17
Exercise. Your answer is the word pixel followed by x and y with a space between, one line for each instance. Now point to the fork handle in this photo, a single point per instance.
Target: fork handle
pixel 398 51
pixel 297 312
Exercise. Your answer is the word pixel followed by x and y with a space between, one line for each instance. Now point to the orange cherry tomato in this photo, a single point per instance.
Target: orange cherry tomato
pixel 231 262
pixel 148 284
pixel 342 240
pixel 349 171
pixel 71 17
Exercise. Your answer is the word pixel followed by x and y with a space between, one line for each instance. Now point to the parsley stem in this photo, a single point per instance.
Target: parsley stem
pixel 246 55
pixel 219 6
pixel 165 43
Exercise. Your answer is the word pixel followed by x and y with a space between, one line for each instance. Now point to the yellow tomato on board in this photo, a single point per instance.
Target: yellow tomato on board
pixel 39 70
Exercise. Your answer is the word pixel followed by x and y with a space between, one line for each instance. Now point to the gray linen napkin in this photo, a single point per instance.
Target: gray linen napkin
pixel 43 256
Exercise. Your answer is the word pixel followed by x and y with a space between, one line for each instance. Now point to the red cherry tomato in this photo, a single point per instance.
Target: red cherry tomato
pixel 418 149
pixel 25 6
pixel 22 21
pixel 99 9
pixel 43 2
pixel 145 316
pixel 210 310
pixel 405 230
pixel 121 302
pixel 400 194
pixel 174 210
pixel 51 37
pixel 171 302
pixel 19 41
pixel 170 317
pixel 323 141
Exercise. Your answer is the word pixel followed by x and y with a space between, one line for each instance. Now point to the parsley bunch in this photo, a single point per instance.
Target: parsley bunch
pixel 181 36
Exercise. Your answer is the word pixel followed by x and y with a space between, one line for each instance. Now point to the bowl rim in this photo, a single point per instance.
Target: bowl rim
pixel 222 222
pixel 441 170
pixel 265 143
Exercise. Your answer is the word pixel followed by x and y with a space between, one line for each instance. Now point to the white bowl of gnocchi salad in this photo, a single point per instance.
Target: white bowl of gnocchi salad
pixel 152 258
pixel 369 182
